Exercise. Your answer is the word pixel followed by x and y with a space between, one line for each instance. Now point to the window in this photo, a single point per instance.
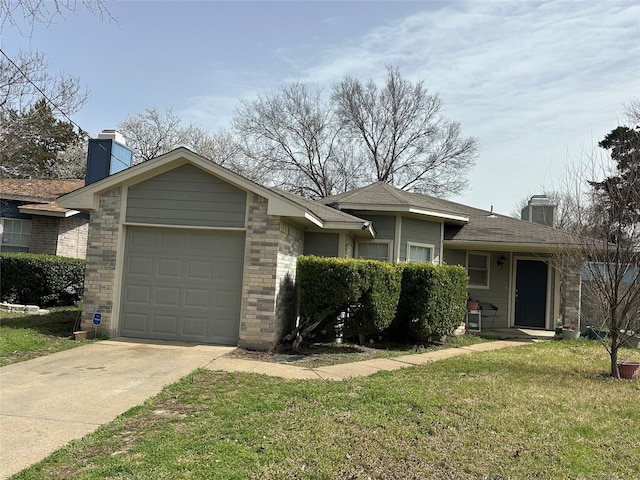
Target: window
pixel 478 269
pixel 380 250
pixel 16 235
pixel 419 252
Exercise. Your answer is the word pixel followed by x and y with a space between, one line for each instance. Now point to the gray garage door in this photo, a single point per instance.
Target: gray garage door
pixel 182 285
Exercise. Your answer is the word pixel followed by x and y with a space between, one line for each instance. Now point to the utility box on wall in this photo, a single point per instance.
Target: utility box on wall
pixel 107 155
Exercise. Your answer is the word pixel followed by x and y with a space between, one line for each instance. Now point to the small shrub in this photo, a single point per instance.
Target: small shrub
pixel 43 280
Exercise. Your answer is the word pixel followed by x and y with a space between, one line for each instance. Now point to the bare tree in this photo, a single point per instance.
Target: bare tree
pixel 153 133
pixel 45 12
pixel 293 135
pixel 632 112
pixel 606 213
pixel 403 134
pixel 71 163
pixel 26 79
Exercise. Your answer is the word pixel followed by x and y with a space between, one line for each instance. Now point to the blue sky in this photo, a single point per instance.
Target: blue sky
pixel 539 83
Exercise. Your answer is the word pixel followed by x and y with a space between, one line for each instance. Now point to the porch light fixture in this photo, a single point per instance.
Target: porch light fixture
pixel 501 261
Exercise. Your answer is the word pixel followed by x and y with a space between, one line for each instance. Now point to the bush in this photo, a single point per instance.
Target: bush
pixel 327 286
pixel 379 298
pixel 432 300
pixel 43 280
pixel 368 289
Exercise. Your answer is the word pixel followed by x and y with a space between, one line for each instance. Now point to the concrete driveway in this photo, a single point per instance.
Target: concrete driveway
pixel 48 401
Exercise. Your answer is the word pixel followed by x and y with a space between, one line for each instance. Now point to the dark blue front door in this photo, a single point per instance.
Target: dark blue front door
pixel 531 293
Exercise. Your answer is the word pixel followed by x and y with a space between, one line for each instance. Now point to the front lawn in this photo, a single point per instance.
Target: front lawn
pixel 544 410
pixel 24 336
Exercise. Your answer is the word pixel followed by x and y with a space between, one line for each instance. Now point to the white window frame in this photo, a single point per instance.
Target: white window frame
pixel 421 245
pixel 14 247
pixel 389 244
pixel 488 269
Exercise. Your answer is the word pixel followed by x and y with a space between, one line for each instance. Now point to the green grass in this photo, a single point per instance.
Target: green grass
pixel 543 410
pixel 23 336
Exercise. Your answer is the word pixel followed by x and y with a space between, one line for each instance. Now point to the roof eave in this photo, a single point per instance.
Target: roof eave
pixel 495 246
pixel 462 219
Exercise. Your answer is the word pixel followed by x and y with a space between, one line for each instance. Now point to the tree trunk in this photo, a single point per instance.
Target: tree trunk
pixel 614 353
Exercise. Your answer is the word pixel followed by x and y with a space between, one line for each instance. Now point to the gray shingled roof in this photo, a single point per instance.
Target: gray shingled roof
pixel 382 194
pixel 483 226
pixel 323 212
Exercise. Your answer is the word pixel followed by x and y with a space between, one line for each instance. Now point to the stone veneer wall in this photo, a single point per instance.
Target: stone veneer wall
pixel 100 274
pixel 44 234
pixel 258 327
pixel 572 291
pixel 290 248
pixel 72 237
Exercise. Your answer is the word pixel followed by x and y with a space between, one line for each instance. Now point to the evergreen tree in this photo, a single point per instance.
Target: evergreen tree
pixel 30 142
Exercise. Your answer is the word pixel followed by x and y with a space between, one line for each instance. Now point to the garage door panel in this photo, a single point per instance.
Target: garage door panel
pixel 172 240
pixel 166 324
pixel 138 294
pixel 167 296
pixel 170 268
pixel 140 266
pixel 136 323
pixel 200 270
pixel 195 326
pixel 186 286
pixel 198 298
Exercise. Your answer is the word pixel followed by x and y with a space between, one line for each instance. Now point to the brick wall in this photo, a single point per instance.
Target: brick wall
pixel 72 237
pixel 290 247
pixel 257 317
pixel 44 235
pixel 100 273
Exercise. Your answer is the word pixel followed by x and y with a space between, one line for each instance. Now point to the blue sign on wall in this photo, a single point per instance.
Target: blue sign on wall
pixel 97 319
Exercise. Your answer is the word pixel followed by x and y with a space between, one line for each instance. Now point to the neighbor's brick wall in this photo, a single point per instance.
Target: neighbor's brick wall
pixel 257 317
pixel 100 274
pixel 72 237
pixel 290 247
pixel 44 235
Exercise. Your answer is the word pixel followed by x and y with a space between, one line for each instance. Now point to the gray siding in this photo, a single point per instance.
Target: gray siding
pixel 498 292
pixel 187 196
pixel 321 244
pixel 384 225
pixel 419 231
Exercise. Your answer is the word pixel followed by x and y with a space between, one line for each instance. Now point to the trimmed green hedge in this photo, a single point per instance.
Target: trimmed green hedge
pixel 420 300
pixel 432 301
pixel 43 280
pixel 379 298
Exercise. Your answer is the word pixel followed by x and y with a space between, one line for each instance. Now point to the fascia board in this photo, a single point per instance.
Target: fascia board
pixel 48 213
pixel 446 216
pixel 506 246
pixel 402 209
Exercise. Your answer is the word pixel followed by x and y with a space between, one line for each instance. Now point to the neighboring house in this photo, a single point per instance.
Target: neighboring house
pixel 181 248
pixel 31 220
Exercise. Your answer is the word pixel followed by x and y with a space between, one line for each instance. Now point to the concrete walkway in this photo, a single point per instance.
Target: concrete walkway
pixel 355 369
pixel 49 401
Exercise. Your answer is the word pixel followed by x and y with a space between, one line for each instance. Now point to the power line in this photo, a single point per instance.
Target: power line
pixel 81 131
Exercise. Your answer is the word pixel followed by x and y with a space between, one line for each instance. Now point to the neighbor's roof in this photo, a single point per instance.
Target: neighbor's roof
pixel 36 190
